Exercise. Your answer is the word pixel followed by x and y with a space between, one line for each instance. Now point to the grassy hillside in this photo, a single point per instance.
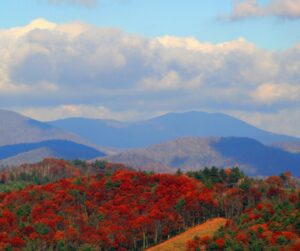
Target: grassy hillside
pixel 178 243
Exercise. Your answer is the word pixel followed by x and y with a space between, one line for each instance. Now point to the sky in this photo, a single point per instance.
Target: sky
pixel 134 59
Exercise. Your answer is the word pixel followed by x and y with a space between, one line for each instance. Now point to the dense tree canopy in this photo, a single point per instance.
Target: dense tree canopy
pixel 104 206
pixel 270 219
pixel 126 210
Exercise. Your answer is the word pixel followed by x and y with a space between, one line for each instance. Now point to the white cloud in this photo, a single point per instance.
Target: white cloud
pixel 171 80
pixel 46 65
pixel 289 9
pixel 192 44
pixel 270 92
pixel 67 110
pixel 83 111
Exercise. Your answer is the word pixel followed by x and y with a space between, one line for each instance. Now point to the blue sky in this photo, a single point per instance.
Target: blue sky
pixel 200 19
pixel 135 59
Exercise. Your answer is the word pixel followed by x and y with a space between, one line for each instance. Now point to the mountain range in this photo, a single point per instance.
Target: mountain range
pixel 189 140
pixel 15 129
pixel 163 128
pixel 25 140
pixel 192 153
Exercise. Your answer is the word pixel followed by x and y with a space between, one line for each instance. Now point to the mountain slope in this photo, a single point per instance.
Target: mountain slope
pixel 178 243
pixel 34 152
pixel 15 129
pixel 167 127
pixel 252 156
pixel 29 157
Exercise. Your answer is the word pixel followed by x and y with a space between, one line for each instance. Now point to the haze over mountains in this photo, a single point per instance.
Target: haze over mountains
pixel 213 139
pixel 15 129
pixel 190 141
pixel 253 157
pixel 27 140
pixel 32 152
pixel 167 127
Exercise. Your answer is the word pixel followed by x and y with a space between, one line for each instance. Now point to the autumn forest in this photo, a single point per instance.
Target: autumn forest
pixel 59 205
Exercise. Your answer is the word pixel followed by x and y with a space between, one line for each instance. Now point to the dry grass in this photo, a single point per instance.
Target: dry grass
pixel 178 243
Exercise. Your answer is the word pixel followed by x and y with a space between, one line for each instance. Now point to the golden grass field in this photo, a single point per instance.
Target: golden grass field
pixel 178 243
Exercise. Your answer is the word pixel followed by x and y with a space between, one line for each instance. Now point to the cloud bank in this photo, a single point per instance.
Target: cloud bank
pixel 287 9
pixel 49 71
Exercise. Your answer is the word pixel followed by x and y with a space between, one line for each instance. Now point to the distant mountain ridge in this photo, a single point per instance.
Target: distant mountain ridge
pixel 15 129
pixel 29 157
pixel 164 128
pixel 25 140
pixel 190 140
pixel 194 153
pixel 34 152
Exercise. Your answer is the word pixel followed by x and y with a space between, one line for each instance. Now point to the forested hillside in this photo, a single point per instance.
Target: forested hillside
pixel 51 170
pixel 271 220
pixel 103 206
